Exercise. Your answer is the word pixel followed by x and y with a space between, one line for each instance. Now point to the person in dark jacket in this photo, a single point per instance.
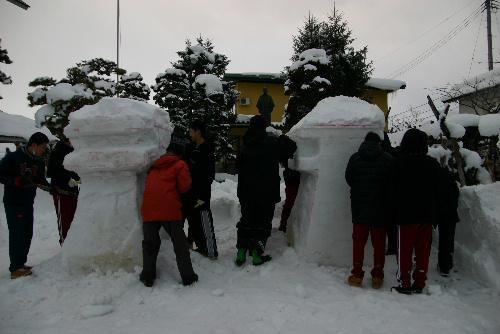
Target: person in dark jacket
pixel 414 196
pixel 258 188
pixel 64 184
pixel 22 172
pixel 201 163
pixel 167 180
pixel 448 219
pixel 367 175
pixel 265 105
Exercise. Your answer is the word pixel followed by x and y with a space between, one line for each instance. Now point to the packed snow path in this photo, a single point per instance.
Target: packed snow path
pixel 287 295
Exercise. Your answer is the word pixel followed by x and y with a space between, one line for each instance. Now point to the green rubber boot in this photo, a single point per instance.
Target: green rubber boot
pixel 241 257
pixel 259 259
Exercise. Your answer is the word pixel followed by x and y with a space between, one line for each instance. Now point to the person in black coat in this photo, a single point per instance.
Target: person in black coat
pixel 448 219
pixel 201 162
pixel 21 172
pixel 259 187
pixel 367 175
pixel 391 230
pixel 65 188
pixel 414 197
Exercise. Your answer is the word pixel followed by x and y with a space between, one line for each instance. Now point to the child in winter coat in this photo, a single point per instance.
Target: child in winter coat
pixel 167 179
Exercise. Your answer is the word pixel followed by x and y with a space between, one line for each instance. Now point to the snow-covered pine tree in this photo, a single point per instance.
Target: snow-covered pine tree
pixel 324 64
pixel 131 86
pixel 193 89
pixel 4 59
pixel 84 84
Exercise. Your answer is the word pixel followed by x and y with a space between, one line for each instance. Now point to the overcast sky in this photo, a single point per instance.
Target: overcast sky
pixel 256 36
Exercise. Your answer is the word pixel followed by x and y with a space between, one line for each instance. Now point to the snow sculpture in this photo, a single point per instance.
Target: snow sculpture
pixel 115 141
pixel 320 223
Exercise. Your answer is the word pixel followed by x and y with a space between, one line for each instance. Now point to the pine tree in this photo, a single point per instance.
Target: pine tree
pixel 193 89
pixel 4 59
pixel 324 64
pixel 84 84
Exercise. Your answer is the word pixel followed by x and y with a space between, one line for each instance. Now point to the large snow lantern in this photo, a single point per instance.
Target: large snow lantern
pixel 115 140
pixel 320 223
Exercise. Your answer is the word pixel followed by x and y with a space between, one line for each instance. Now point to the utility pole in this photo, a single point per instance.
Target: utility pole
pixel 487 3
pixel 117 40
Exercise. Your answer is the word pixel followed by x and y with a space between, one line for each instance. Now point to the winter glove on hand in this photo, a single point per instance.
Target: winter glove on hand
pixel 73 183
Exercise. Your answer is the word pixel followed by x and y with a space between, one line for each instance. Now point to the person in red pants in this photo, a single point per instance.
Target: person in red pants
pixel 366 174
pixel 414 195
pixel 292 183
pixel 64 184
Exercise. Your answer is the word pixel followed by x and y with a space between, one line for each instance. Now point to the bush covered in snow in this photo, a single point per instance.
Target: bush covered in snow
pixel 4 59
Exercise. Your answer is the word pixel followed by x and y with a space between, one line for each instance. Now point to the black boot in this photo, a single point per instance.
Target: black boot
pixel 190 280
pixel 404 291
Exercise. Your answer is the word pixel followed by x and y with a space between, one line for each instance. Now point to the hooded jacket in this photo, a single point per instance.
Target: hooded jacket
pixel 367 175
pixel 167 179
pixel 416 182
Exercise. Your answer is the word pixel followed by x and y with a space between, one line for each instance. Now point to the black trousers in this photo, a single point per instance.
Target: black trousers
pixel 446 245
pixel 201 230
pixel 392 238
pixel 151 247
pixel 20 224
pixel 254 227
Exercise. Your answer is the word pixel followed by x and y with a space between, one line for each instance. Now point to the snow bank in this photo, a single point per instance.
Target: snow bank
pixel 320 223
pixel 478 232
pixel 115 141
pixel 19 126
pixel 343 111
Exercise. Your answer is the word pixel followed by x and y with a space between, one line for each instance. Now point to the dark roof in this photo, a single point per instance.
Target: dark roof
pixel 255 77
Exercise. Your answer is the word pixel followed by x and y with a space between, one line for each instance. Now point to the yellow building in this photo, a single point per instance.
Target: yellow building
pixel 250 86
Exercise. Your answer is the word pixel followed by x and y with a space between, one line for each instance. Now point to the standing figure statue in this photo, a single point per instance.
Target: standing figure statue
pixel 265 104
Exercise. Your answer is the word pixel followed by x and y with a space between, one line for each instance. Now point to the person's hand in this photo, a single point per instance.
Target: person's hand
pixel 73 183
pixel 199 203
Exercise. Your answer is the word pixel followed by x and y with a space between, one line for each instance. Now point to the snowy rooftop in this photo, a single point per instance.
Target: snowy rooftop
pixel 480 82
pixel 19 126
pixel 389 85
pixel 255 77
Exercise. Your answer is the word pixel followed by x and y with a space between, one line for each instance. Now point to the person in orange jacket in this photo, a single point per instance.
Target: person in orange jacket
pixel 167 180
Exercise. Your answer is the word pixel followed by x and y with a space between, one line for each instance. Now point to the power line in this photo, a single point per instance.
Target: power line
pixel 436 46
pixel 425 33
pixel 475 45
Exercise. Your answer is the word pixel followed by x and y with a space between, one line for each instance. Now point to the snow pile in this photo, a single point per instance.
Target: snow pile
pixel 311 56
pixel 320 223
pixel 115 141
pixel 343 111
pixel 489 125
pixel 19 126
pixel 464 120
pixel 478 232
pixel 212 84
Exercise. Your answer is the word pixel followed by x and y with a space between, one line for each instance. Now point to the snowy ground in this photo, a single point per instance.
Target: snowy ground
pixel 287 295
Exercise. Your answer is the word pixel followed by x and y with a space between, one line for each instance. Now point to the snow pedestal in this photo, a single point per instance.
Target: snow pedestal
pixel 320 223
pixel 115 141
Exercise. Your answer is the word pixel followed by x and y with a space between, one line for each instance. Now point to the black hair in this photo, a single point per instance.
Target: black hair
pixel 38 138
pixel 372 137
pixel 414 142
pixel 198 125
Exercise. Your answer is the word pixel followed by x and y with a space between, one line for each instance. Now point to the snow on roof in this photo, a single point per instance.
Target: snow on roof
pixel 311 55
pixel 386 84
pixel 480 82
pixel 19 126
pixel 211 82
pixel 343 111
